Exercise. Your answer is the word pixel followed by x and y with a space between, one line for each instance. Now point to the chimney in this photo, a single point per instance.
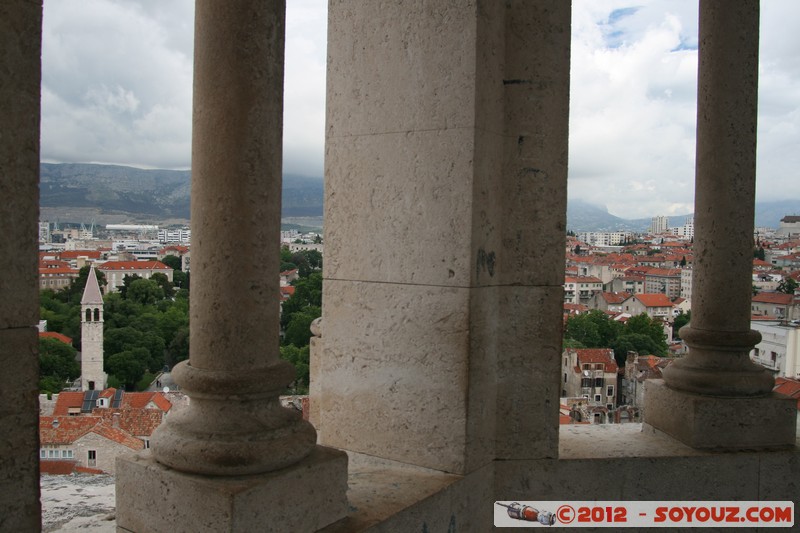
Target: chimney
pixel 115 420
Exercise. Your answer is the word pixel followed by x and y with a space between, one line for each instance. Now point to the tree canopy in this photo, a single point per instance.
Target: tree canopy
pixel 596 329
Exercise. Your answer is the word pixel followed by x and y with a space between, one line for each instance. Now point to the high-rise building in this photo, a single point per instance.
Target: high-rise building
pixel 659 224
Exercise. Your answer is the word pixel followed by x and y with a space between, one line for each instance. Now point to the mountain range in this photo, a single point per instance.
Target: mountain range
pixel 112 193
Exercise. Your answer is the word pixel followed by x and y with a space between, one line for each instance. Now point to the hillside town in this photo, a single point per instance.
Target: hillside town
pixel 637 288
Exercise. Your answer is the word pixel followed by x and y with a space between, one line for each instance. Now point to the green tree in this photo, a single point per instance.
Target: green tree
pixel 594 329
pixel 635 342
pixel 172 261
pixel 126 283
pixel 680 321
pixel 307 293
pixel 180 279
pixel 286 254
pixel 163 281
pixel 299 358
pixel 683 261
pixel 759 253
pixel 178 349
pixel 145 291
pixel 787 286
pixel 303 268
pixel 298 332
pixel 57 364
pixel 128 366
pixel 314 258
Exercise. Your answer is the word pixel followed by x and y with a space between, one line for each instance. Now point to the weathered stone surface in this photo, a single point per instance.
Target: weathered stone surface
pixel 721 423
pixel 392 68
pixel 528 335
pixel 726 165
pixel 306 496
pixel 20 80
pixel 534 173
pixel 619 463
pixel 394 374
pixel 20 52
pixel 236 183
pixel 406 206
pixel 19 430
pixel 387 496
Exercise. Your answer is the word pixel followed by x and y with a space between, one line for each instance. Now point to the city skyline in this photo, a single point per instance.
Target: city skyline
pixel 116 89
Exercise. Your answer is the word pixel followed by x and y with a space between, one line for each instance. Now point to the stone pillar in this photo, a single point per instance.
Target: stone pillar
pixel 20 81
pixel 719 336
pixel 444 230
pixel 234 425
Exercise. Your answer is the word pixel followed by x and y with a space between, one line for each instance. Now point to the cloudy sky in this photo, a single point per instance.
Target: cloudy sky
pixel 116 88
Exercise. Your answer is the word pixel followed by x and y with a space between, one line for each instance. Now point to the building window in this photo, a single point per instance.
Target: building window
pixel 146 444
pixel 598 382
pixel 773 356
pixel 609 406
pixel 610 391
pixel 92 457
pixel 565 378
pixel 598 398
pixel 52 454
pixel 586 383
pixel 66 454
pixel 42 454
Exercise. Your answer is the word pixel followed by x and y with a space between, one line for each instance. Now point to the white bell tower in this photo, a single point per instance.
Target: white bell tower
pixel 92 375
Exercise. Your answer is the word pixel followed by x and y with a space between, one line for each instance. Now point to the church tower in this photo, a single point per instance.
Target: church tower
pixel 92 375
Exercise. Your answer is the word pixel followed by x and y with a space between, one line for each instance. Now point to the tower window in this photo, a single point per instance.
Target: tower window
pixel 88 315
pixel 96 314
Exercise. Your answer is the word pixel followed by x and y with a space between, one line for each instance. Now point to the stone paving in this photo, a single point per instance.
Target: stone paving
pixel 78 503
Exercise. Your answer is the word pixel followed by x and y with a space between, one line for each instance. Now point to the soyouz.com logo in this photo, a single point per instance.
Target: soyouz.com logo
pixel 643 514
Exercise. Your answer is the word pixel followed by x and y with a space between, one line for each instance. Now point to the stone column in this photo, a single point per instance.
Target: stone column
pixel 444 231
pixel 234 424
pixel 719 335
pixel 20 81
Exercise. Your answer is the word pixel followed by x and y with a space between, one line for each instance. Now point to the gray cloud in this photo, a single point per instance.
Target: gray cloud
pixel 117 74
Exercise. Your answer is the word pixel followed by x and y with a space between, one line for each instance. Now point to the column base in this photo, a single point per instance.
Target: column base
pixel 306 496
pixel 727 424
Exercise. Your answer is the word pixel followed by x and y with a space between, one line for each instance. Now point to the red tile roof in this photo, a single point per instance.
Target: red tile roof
pixel 75 254
pixel 788 387
pixel 133 265
pixel 140 400
pixel 654 300
pixel 55 335
pixel 68 429
pixel 597 355
pixel 773 298
pixel 71 428
pixel 118 435
pixel 137 422
pixel 664 272
pixel 66 400
pixel 582 279
pixel 56 467
pixel 614 297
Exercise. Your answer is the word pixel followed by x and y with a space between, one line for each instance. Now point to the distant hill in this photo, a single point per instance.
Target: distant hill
pixel 111 193
pixel 141 194
pixel 583 216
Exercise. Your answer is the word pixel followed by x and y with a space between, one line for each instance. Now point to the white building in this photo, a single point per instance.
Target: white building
pixel 174 235
pixel 605 238
pixel 659 224
pixel 779 349
pixel 686 231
